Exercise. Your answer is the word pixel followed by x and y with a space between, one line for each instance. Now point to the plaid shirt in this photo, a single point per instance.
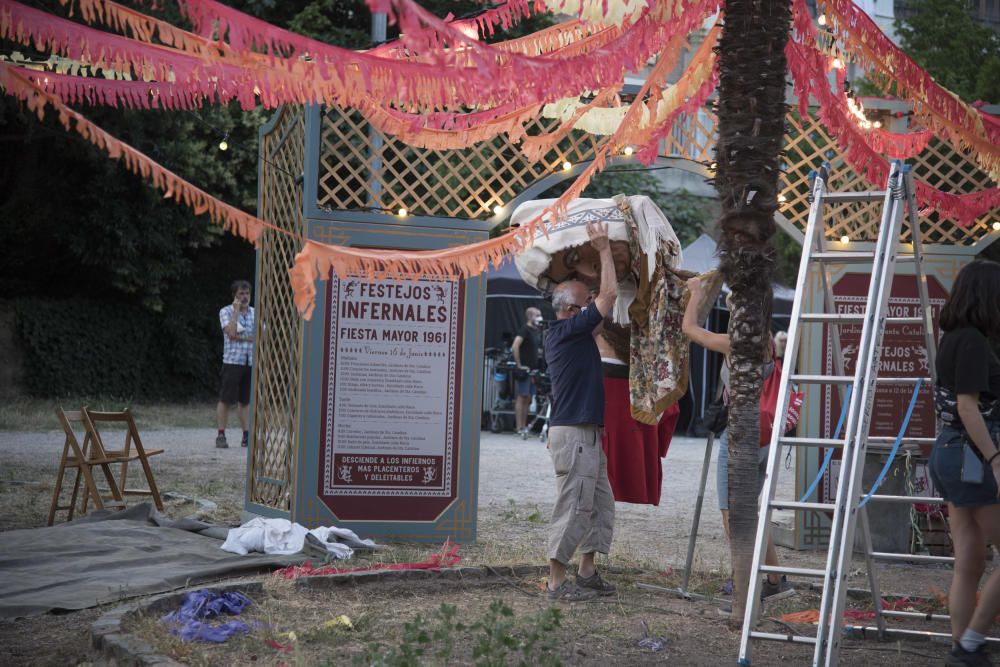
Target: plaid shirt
pixel 239 352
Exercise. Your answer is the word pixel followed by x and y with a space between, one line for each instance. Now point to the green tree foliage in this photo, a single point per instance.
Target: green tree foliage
pixel 961 55
pixel 74 222
pixel 81 229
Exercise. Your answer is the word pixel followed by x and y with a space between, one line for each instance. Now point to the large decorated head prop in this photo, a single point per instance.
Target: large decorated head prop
pixel 651 293
pixel 637 230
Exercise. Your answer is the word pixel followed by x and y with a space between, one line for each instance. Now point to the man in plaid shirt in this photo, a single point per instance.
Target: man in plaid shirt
pixel 237 321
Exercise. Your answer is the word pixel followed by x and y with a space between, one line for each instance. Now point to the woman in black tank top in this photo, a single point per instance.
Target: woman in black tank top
pixel 965 462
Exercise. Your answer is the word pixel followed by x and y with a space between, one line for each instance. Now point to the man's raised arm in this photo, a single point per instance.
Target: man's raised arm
pixel 598 233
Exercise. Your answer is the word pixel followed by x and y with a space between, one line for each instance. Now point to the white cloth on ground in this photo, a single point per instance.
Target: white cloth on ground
pixel 282 537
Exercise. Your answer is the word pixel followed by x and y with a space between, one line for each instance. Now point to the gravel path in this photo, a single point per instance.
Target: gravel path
pixel 516 491
pixel 511 471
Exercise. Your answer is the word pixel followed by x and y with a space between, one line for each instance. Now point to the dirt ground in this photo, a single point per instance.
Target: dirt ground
pixel 605 631
pixel 514 504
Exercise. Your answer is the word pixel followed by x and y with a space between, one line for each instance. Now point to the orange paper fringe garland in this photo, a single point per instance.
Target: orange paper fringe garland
pixel 173 186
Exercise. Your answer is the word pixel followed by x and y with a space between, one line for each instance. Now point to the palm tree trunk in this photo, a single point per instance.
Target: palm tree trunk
pixel 751 112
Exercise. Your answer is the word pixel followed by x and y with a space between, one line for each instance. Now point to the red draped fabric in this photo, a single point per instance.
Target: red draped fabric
pixel 634 450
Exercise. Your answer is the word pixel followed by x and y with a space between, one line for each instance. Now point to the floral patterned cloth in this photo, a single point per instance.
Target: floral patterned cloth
pixel 658 350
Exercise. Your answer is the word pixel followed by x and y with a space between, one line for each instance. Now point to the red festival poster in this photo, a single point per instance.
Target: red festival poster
pixel 391 396
pixel 904 354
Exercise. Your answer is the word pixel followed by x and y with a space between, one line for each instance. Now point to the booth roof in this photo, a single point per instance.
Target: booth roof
pixel 700 257
pixel 506 282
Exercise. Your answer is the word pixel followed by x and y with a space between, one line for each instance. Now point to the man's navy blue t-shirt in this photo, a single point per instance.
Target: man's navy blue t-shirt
pixel 575 368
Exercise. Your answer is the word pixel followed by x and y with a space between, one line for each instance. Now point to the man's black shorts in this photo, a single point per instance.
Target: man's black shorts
pixel 235 384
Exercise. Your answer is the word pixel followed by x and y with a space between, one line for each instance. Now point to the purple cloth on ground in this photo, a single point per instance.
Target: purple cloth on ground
pixel 188 622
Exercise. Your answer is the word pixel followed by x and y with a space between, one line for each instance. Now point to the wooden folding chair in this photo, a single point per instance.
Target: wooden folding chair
pixel 81 457
pixel 124 456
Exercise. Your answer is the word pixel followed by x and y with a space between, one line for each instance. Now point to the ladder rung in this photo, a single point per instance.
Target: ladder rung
pixel 822 379
pixel 852 318
pixel 915 614
pixel 888 380
pixel 795 571
pixel 882 555
pixel 889 440
pixel 900 632
pixel 811 442
pixel 850 197
pixel 848 256
pixel 909 500
pixel 855 256
pixel 798 639
pixel 832 318
pixel 795 505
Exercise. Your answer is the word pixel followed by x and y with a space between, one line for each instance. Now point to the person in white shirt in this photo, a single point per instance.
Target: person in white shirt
pixel 238 327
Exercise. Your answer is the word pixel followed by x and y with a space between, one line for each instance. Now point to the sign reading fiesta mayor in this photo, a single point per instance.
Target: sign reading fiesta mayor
pixel 391 391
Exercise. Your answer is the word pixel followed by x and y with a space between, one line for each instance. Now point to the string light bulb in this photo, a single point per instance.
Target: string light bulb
pixel 837 63
pixel 877 124
pixel 845 239
pixel 498 210
pixel 223 145
pixel 402 212
pixel 782 199
pixel 567 165
pixel 628 150
pixel 822 19
pixel 996 226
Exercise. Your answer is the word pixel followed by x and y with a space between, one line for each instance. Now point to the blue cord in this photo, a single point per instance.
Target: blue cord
pixel 829 452
pixel 895 446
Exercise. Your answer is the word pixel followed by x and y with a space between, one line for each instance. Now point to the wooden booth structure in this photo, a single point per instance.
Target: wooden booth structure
pixel 327 175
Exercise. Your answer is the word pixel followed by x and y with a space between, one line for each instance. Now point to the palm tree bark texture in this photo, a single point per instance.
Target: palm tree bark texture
pixel 751 127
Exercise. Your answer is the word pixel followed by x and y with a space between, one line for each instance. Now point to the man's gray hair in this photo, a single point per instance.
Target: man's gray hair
pixel 562 296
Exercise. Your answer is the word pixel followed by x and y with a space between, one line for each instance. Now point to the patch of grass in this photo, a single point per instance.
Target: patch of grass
pixel 531 513
pixel 38 414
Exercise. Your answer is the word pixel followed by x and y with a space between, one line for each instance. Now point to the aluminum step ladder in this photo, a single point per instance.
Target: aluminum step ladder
pixel 857 391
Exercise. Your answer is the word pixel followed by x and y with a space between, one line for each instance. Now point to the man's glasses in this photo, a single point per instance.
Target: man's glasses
pixel 576 309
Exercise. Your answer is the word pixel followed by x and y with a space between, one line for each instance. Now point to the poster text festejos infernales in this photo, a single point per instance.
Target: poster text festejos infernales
pixel 390 418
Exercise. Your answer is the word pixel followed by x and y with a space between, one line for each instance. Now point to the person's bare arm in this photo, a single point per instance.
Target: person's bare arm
pixel 515 350
pixel 975 426
pixel 230 328
pixel 598 233
pixel 692 328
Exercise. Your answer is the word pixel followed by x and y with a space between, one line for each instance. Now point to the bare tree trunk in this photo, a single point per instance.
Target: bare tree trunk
pixel 751 111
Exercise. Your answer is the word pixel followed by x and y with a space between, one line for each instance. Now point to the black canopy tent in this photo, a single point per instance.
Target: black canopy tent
pixel 703 376
pixel 507 297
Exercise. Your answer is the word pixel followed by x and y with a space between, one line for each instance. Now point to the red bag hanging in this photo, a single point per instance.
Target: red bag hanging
pixel 769 404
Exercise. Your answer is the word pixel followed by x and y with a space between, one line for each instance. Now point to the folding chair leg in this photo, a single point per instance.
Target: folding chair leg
pixel 90 490
pixel 76 492
pixel 116 493
pixel 123 475
pixel 153 490
pixel 58 489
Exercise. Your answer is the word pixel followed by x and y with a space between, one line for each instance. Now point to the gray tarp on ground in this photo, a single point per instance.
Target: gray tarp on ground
pixel 111 556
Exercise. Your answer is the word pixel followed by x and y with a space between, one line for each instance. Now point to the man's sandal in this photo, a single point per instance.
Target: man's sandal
pixel 596 582
pixel 569 592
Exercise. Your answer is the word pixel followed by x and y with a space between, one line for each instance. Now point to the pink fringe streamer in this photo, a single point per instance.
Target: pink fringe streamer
pixel 808 66
pixel 14 81
pixel 938 108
